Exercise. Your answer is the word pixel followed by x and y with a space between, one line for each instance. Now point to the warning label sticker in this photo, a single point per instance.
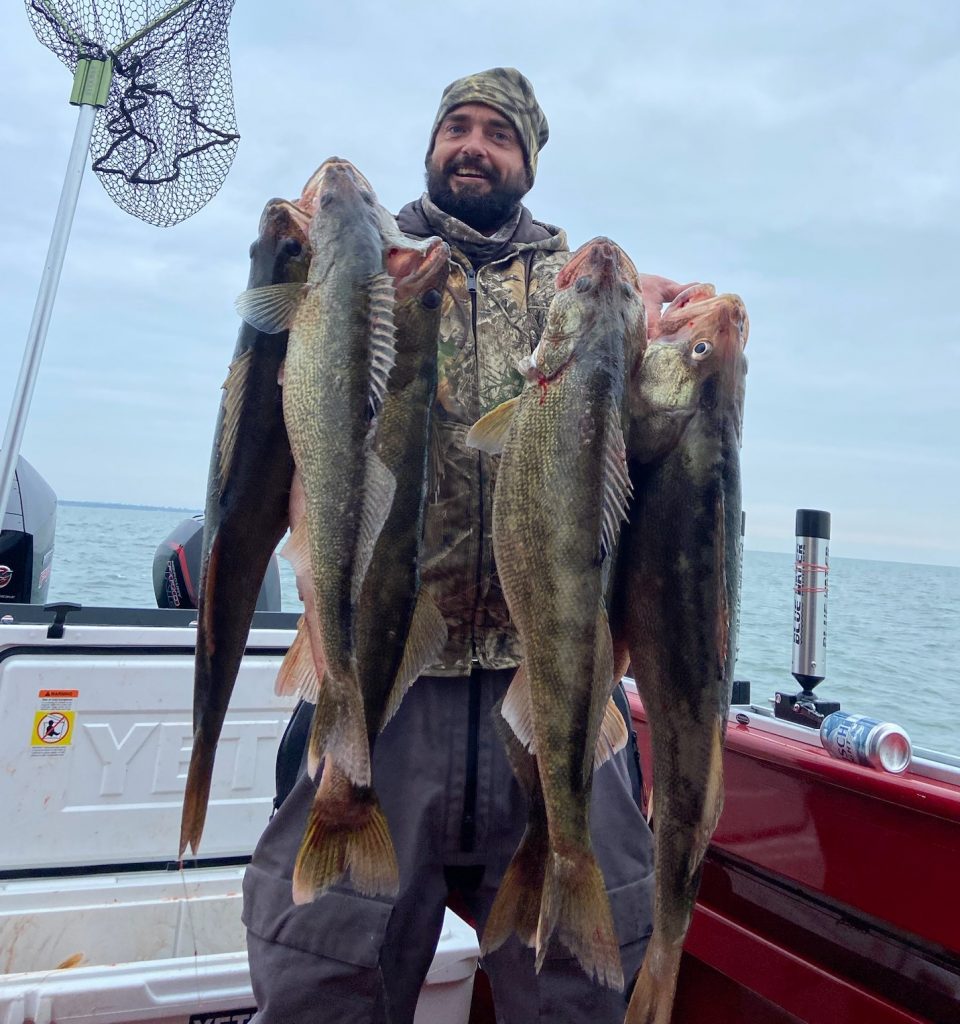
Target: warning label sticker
pixel 52 728
pixel 53 722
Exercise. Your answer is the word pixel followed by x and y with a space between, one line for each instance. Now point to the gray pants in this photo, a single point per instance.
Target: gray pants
pixel 347 959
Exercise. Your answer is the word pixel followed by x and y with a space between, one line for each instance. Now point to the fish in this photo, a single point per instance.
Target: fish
pixel 561 491
pixel 675 599
pixel 246 508
pixel 340 351
pixel 399 628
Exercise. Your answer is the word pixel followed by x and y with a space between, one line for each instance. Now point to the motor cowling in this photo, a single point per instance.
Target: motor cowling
pixel 27 538
pixel 176 570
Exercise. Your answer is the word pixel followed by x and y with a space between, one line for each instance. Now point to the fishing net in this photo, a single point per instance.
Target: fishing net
pixel 165 139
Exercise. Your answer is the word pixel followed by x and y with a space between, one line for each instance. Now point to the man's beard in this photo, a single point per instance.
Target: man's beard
pixel 482 212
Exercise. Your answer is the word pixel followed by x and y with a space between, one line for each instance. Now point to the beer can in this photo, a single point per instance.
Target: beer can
pixel 866 741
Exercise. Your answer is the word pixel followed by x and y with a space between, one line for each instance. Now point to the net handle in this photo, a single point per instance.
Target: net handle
pixel 91 84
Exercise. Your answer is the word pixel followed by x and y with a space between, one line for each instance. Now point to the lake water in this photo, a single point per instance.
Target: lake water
pixel 893 645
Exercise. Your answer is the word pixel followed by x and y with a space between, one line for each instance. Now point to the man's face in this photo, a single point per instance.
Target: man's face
pixel 477 171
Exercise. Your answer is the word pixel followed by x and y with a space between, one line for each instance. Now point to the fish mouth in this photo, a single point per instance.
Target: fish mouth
pixel 425 268
pixel 602 260
pixel 280 216
pixel 335 176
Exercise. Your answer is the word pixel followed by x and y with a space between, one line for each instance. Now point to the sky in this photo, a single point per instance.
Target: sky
pixel 805 157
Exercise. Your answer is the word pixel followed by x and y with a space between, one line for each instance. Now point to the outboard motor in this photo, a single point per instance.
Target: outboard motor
pixel 176 570
pixel 26 541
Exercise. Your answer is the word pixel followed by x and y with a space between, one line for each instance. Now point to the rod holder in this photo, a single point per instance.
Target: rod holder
pixel 811 570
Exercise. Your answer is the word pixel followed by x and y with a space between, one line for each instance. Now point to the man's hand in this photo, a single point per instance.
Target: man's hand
pixel 658 290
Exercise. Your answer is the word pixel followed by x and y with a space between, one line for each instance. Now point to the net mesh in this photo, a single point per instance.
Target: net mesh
pixel 163 144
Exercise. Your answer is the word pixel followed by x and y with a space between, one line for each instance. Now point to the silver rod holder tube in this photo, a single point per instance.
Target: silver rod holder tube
pixel 810 597
pixel 45 299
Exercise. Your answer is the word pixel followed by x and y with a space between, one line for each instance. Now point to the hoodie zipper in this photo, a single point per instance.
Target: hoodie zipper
pixel 468 823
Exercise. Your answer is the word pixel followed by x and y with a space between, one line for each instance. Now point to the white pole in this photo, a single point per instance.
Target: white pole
pixel 44 307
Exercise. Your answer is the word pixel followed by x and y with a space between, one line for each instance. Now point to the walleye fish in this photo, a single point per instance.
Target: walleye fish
pixel 246 508
pixel 399 628
pixel 677 586
pixel 561 491
pixel 339 356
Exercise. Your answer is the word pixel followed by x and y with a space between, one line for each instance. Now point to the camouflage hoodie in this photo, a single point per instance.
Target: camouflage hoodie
pixel 491 317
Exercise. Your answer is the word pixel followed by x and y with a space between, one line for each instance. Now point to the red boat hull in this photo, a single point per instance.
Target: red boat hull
pixel 829 893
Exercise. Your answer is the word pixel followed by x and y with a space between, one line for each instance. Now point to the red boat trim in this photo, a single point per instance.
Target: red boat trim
pixel 909 790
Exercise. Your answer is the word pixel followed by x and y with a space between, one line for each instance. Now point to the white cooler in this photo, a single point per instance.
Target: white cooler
pixel 162 949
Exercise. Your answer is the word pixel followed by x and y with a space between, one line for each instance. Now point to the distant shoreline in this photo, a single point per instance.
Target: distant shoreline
pixel 786 550
pixel 120 504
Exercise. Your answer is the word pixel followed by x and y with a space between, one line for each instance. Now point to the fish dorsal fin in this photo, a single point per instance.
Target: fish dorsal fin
pixel 517 709
pixel 297 550
pixel 379 485
pixel 233 388
pixel 490 432
pixel 271 309
pixel 617 489
pixel 383 336
pixel 298 671
pixel 613 735
pixel 425 642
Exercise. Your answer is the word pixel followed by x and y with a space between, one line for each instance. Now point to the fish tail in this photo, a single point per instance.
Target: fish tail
pixel 653 994
pixel 346 831
pixel 576 911
pixel 197 794
pixel 516 907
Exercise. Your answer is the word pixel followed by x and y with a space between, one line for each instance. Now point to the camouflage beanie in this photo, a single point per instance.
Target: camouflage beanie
pixel 506 90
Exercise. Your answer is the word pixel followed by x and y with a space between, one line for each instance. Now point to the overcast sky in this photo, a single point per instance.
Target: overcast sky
pixel 803 156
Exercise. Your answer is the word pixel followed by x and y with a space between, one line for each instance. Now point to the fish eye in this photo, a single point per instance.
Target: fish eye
pixel 291 247
pixel 702 349
pixel 583 284
pixel 431 299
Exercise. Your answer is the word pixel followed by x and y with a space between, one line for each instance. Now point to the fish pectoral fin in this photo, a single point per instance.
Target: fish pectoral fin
pixel 233 387
pixel 379 486
pixel 617 489
pixel 517 709
pixel 271 308
pixel 613 735
pixel 383 336
pixel 426 640
pixel 490 432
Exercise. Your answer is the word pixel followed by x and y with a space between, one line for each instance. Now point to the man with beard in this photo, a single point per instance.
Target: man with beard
pixel 455 811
